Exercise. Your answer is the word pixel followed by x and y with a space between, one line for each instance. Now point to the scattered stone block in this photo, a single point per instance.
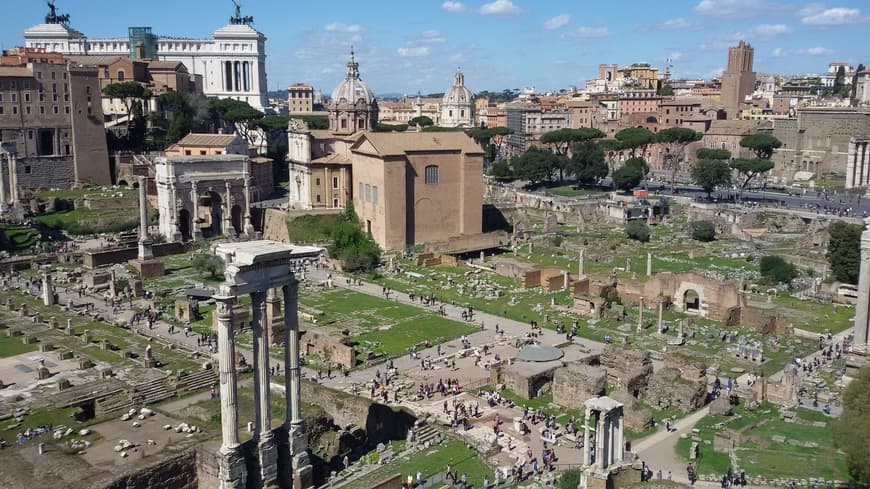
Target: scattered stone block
pixel 45 347
pixel 85 363
pixel 63 384
pixel 29 339
pixel 65 355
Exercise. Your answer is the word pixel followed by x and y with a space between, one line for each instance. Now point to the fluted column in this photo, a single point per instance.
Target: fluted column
pixel 145 251
pixel 586 447
pixel 640 315
pixel 265 439
pixel 661 325
pixel 232 465
pixel 291 354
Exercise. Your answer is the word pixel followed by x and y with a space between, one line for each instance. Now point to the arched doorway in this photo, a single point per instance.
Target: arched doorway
pixel 184 224
pixel 691 301
pixel 209 213
pixel 123 183
pixel 237 218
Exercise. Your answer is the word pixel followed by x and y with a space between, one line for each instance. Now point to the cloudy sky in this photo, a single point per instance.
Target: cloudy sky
pixel 406 46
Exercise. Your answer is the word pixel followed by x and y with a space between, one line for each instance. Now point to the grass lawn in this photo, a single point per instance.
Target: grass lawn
pixel 572 191
pixel 14 345
pixel 435 460
pixel 21 238
pixel 759 454
pixel 398 338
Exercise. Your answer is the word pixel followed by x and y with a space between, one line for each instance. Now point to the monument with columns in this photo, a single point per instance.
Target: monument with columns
pixel 605 461
pixel 258 268
pixel 145 263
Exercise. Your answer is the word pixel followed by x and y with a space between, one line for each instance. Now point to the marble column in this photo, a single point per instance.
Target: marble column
pixel 145 251
pixel 862 309
pixel 227 224
pixel 661 315
pixel 3 159
pixel 297 439
pixel 266 446
pixel 248 181
pixel 599 441
pixel 581 265
pixel 47 289
pixel 620 438
pixel 173 215
pixel 195 230
pixel 13 178
pixel 648 264
pixel 586 458
pixel 640 315
pixel 233 473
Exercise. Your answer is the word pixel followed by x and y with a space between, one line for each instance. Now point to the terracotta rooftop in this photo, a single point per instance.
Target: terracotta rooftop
pixel 208 140
pixel 394 143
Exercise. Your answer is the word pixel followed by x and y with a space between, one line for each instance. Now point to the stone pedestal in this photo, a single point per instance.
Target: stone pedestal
pixel 148 268
pixel 233 473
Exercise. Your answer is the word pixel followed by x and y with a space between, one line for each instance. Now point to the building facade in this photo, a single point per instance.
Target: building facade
pixel 413 188
pixel 353 106
pixel 858 162
pixel 232 63
pixel 300 98
pixel 50 120
pixel 738 81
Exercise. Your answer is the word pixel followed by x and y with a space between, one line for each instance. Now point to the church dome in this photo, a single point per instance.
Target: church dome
pixel 352 89
pixel 458 93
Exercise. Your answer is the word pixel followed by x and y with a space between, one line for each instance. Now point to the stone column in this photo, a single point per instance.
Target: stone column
pixel 661 315
pixel 620 438
pixel 266 447
pixel 640 315
pixel 599 441
pixel 586 440
pixel 229 230
pixel 47 288
pixel 3 207
pixel 862 309
pixel 301 463
pixel 145 252
pixel 249 227
pixel 13 179
pixel 581 265
pixel 233 473
pixel 195 231
pixel 176 226
pixel 648 264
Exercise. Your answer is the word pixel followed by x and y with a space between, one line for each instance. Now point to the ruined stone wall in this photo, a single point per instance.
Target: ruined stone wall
pixel 626 368
pixel 542 278
pixel 761 320
pixel 575 383
pixel 45 172
pixel 96 259
pixel 716 297
pixel 320 343
pixel 680 383
pixel 178 472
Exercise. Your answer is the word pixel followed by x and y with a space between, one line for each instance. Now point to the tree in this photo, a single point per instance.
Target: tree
pixel 560 140
pixel 127 92
pixel 855 420
pixel 713 154
pixel 840 81
pixel 356 249
pixel 635 138
pixel 384 127
pixel 423 120
pixel 501 170
pixel 667 90
pixel 703 231
pixel 777 270
pixel 210 265
pixel 627 177
pixel 637 230
pixel 314 121
pixel 709 174
pixel 673 141
pixel 761 144
pixel 587 162
pixel 536 165
pixel 235 116
pixel 844 251
pixel 749 169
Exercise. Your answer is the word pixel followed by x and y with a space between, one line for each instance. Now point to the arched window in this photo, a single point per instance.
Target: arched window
pixel 431 175
pixel 120 75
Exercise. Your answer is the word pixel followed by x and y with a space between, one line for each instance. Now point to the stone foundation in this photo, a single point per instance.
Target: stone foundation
pixel 148 268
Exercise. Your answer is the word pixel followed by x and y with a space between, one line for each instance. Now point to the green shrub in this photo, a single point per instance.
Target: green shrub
pixel 638 231
pixel 776 270
pixel 703 231
pixel 209 265
pixel 570 479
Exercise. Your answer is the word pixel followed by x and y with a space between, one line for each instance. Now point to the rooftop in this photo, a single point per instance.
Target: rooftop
pixel 248 253
pixel 399 143
pixel 208 140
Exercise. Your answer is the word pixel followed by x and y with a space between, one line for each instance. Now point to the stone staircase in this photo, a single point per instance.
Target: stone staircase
pixel 197 381
pixel 426 433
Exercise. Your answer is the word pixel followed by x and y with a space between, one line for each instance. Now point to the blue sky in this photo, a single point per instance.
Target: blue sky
pixel 406 46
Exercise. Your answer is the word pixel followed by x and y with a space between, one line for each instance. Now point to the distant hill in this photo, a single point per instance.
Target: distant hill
pixel 277 94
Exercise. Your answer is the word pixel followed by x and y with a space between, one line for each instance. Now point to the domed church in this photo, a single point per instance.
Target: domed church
pixel 457 106
pixel 353 106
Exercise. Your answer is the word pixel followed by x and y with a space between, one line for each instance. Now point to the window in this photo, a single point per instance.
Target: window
pixel 375 196
pixel 27 169
pixel 360 190
pixel 1 97
pixel 53 75
pixel 187 152
pixel 14 110
pixel 334 182
pixel 27 84
pixel 1 110
pixel 431 175
pixel 120 75
pixel 66 109
pixel 88 90
pixel 15 97
pixel 27 110
pixel 55 110
pixel 317 182
pixel 13 84
pixel 201 152
pixel 318 198
pixel 106 73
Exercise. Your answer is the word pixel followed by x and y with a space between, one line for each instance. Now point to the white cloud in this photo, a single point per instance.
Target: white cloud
pixel 457 57
pixel 675 24
pixel 432 36
pixel 557 22
pixel 500 7
pixel 455 7
pixel 339 27
pixel 730 9
pixel 587 32
pixel 777 52
pixel 764 31
pixel 816 51
pixel 818 14
pixel 413 51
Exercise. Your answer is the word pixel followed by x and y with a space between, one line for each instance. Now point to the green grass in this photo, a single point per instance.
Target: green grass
pixel 463 460
pixel 571 191
pixel 396 340
pixel 87 221
pixel 20 238
pixel 14 345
